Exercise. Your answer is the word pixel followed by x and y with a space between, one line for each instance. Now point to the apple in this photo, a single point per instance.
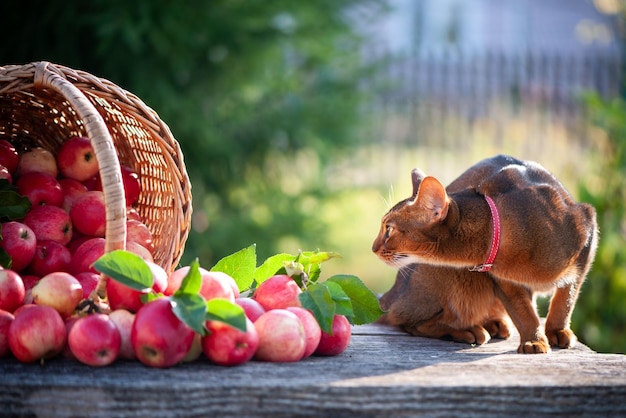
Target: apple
pixel 59 290
pixel 158 337
pixel 281 336
pixel 95 340
pixel 132 213
pixel 88 281
pixel 140 250
pixel 49 223
pixel 77 240
pixel 69 323
pixel 11 290
pixel 251 307
pixel 77 159
pixel 195 351
pixel 88 214
pixel 72 189
pixel 37 159
pixel 228 346
pixel 86 254
pixel 29 282
pixel 40 189
pixel 132 185
pixel 50 256
pixel 5 174
pixel 37 333
pixel 123 320
pixel 6 318
pixel 312 330
pixel 215 284
pixel 278 292
pixel 9 157
pixel 19 241
pixel 138 232
pixel 337 342
pixel 121 296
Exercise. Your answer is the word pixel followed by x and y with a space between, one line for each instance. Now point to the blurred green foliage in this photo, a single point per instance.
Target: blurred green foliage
pixel 600 316
pixel 260 94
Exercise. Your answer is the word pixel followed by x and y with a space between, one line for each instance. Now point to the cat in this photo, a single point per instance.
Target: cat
pixel 510 220
pixel 443 302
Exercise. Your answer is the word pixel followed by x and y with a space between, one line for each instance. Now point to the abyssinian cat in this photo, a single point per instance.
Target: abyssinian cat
pixel 507 219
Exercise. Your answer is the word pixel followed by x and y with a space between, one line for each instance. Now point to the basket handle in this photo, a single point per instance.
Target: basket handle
pixel 48 76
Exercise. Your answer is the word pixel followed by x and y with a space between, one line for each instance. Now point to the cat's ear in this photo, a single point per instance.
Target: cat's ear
pixel 432 199
pixel 417 176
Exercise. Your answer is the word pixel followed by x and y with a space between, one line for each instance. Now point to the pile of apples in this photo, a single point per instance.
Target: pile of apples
pixel 53 249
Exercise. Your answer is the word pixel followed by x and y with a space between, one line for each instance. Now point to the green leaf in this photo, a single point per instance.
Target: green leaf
pixel 13 205
pixel 191 309
pixel 318 299
pixel 192 282
pixel 364 302
pixel 343 304
pixel 226 311
pixel 5 259
pixel 271 266
pixel 316 257
pixel 240 266
pixel 126 268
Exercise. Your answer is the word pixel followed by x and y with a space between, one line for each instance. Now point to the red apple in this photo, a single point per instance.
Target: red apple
pixel 138 232
pixel 95 340
pixel 19 241
pixel 88 214
pixel 88 281
pixel 215 284
pixel 72 189
pixel 69 323
pixel 77 240
pixel 281 336
pixel 60 291
pixel 76 159
pixel 37 333
pixel 5 174
pixel 132 185
pixel 228 346
pixel 9 157
pixel 123 320
pixel 50 256
pixel 278 292
pixel 195 351
pixel 49 223
pixel 37 159
pixel 140 250
pixel 6 318
pixel 86 254
pixel 337 342
pixel 121 296
pixel 40 189
pixel 251 308
pixel 29 282
pixel 312 330
pixel 132 213
pixel 11 290
pixel 158 337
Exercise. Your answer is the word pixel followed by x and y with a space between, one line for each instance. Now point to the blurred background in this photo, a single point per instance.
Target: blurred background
pixel 300 121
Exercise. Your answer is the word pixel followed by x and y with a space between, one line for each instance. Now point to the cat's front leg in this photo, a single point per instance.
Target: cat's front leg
pixel 518 301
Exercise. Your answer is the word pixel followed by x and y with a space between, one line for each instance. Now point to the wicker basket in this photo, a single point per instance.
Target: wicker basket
pixel 44 104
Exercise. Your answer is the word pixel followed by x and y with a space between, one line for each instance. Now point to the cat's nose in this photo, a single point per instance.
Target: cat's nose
pixel 375 246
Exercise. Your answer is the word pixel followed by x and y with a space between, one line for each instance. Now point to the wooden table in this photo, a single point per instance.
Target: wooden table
pixel 384 373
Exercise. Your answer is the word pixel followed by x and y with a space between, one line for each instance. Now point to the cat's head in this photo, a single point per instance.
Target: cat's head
pixel 409 232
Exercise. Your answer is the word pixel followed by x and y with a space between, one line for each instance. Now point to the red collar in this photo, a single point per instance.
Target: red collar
pixel 495 238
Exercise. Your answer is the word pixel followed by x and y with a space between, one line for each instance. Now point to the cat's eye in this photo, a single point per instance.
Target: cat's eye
pixel 388 231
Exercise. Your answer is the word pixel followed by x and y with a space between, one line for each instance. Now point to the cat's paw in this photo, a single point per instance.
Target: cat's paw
pixel 562 338
pixel 498 328
pixel 534 347
pixel 475 335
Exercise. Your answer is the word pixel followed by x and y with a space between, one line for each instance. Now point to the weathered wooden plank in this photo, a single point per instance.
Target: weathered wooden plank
pixel 383 373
